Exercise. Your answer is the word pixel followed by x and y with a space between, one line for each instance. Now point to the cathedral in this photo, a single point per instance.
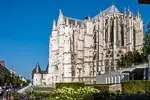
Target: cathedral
pixel 81 49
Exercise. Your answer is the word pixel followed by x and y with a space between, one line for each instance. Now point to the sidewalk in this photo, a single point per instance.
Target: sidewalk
pixel 23 89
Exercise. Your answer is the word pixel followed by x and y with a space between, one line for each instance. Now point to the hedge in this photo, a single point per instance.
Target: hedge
pixel 100 87
pixel 74 85
pixel 135 86
pixel 43 89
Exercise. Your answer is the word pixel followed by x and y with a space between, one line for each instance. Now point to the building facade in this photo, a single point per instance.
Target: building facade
pixel 79 49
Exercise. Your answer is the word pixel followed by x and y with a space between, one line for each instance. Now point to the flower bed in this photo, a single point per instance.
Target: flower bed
pixel 63 94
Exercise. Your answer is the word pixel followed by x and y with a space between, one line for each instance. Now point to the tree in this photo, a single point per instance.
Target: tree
pixel 130 58
pixel 146 48
pixel 135 57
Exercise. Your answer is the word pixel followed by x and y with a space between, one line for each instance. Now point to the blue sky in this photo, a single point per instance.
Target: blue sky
pixel 25 26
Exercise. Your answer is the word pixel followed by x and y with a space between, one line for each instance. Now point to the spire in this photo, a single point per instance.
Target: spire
pixel 54 25
pixel 138 13
pixel 60 18
pixel 113 2
pixel 128 9
pixel 60 12
pixel 125 10
pixel 37 69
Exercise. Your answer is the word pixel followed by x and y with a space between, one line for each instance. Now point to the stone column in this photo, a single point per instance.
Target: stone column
pixel 149 67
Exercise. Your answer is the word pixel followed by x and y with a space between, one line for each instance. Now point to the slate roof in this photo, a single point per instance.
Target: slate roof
pixel 73 21
pixel 112 9
pixel 38 69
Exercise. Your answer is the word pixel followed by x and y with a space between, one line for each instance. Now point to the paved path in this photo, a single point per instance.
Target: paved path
pixel 23 89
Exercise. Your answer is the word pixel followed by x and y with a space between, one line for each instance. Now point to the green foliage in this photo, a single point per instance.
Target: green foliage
pixel 135 86
pixel 71 84
pixel 43 89
pixel 146 48
pixel 135 57
pixel 100 87
pixel 63 94
pixel 7 78
pixel 130 58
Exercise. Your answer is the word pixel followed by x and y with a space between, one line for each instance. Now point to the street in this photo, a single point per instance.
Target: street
pixel 8 94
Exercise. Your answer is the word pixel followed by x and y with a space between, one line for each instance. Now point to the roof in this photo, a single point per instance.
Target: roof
pixel 74 21
pixel 43 72
pixel 37 68
pixel 112 9
pixel 135 67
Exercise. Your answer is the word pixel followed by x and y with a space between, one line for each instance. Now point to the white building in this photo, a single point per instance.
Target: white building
pixel 79 49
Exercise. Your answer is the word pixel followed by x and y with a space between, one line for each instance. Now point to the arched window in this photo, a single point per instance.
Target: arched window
pixel 112 31
pixel 122 35
pixel 106 34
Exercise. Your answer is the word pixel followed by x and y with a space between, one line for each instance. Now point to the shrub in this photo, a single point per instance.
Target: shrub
pixel 135 86
pixel 42 89
pixel 100 87
pixel 63 94
pixel 71 84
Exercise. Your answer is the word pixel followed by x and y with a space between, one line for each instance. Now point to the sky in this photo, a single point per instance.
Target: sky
pixel 25 27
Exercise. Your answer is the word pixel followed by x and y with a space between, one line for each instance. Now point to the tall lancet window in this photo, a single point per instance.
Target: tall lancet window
pixel 117 32
pixel 112 31
pixel 122 35
pixel 106 35
pixel 106 31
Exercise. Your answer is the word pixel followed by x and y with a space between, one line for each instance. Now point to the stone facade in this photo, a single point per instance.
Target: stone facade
pixel 78 49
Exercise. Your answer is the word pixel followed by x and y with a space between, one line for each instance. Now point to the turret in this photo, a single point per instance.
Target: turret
pixel 37 76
